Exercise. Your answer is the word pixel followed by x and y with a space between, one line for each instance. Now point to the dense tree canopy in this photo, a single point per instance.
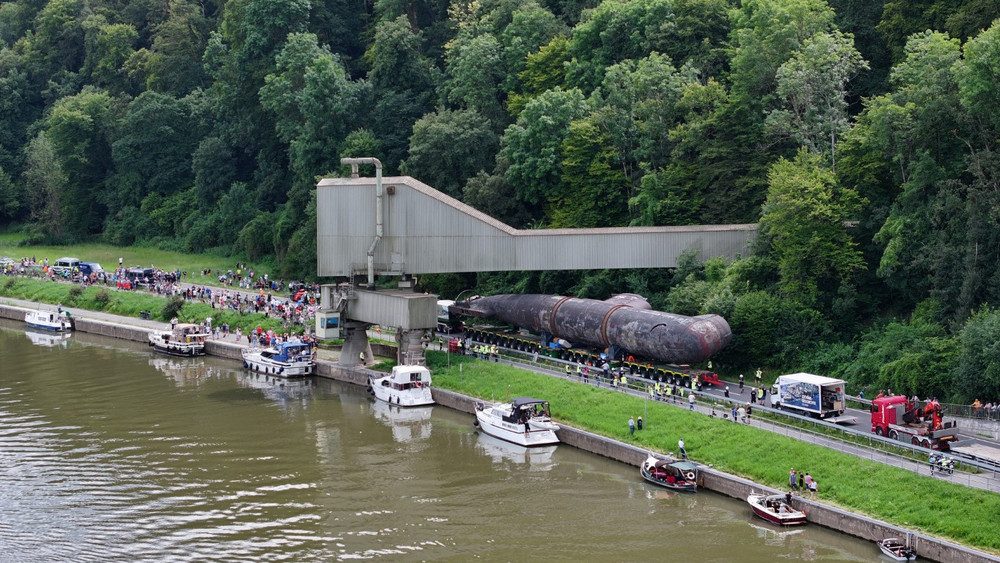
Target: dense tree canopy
pixel 862 136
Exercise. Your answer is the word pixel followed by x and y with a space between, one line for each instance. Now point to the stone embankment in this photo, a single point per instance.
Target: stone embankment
pixel 927 547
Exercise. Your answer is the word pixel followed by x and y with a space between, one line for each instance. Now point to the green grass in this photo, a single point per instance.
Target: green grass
pixel 108 255
pixel 127 303
pixel 921 503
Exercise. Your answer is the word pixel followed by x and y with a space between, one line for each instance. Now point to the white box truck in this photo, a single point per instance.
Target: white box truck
pixel 811 395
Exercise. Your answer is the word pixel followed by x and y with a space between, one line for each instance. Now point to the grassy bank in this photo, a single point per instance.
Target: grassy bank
pixel 917 502
pixel 127 303
pixel 108 256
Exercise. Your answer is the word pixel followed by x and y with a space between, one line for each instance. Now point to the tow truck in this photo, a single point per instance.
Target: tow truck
pixel 899 418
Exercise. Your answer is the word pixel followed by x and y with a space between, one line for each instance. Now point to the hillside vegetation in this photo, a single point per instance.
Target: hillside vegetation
pixel 861 136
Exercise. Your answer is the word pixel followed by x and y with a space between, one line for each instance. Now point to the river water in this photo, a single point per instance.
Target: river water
pixel 111 453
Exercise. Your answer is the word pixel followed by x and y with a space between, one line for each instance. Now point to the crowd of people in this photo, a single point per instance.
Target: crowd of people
pixel 989 409
pixel 255 292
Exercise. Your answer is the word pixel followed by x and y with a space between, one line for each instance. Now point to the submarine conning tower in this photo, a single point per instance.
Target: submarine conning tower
pixel 621 322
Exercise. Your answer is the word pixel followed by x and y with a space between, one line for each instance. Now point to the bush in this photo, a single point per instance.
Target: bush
pixel 9 284
pixel 172 308
pixel 102 298
pixel 74 293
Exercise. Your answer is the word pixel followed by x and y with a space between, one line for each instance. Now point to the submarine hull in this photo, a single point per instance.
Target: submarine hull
pixel 657 335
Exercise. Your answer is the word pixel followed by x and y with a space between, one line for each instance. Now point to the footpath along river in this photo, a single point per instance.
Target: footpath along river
pixel 110 453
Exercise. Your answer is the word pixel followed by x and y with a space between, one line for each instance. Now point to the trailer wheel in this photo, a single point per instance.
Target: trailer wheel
pixel 915 441
pixel 894 435
pixel 926 443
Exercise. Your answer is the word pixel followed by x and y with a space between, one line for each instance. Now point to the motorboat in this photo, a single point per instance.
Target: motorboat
pixel 896 549
pixel 284 359
pixel 776 509
pixel 672 474
pixel 406 386
pixel 184 339
pixel 56 321
pixel 523 421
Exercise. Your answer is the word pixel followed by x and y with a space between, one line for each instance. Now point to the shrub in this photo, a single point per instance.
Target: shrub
pixel 102 298
pixel 9 284
pixel 172 308
pixel 74 293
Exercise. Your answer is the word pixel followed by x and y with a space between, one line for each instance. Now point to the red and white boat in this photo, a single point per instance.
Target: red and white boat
pixel 775 509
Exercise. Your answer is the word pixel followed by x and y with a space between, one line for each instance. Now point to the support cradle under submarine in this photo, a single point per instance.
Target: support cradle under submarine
pixel 625 322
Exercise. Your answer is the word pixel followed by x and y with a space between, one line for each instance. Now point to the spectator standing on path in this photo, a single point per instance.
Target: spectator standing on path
pixel 743 414
pixel 741 383
pixel 680 446
pixel 753 396
pixel 631 426
pixel 638 423
pixel 749 410
pixel 691 400
pixel 802 480
pixel 733 407
pixel 791 479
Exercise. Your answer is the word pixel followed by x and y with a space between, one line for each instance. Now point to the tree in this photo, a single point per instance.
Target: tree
pixel 533 145
pixel 977 374
pixel 45 181
pixel 813 83
pixel 594 190
pixel 12 199
pixel 804 220
pixel 449 147
pixel 475 73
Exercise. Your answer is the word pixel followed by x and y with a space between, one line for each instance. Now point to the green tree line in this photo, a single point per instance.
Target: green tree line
pixel 859 135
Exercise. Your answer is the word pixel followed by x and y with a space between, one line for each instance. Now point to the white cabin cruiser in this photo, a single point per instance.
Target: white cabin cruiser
pixel 49 320
pixel 406 386
pixel 524 421
pixel 285 359
pixel 184 339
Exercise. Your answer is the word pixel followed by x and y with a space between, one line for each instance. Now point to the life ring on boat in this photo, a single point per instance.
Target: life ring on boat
pixel 689 475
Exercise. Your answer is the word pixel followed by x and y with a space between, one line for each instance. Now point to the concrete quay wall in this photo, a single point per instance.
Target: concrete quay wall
pixel 711 479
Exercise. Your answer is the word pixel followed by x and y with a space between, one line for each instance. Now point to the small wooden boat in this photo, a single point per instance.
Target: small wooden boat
pixel 775 509
pixel 672 474
pixel 896 549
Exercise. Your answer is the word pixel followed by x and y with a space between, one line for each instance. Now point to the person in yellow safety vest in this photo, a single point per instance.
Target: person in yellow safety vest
pixel 579 371
pixel 569 370
pixel 649 388
pixel 668 393
pixel 658 390
pixel 624 382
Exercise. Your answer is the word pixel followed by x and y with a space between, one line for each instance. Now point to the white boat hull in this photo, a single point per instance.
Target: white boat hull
pixel 416 397
pixel 267 366
pixel 44 320
pixel 536 434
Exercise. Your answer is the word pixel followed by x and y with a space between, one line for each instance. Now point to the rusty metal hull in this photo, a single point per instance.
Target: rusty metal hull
pixel 649 334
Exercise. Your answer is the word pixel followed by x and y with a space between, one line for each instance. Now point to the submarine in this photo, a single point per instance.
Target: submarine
pixel 625 322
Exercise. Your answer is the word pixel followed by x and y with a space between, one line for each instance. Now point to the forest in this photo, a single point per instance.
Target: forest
pixel 861 135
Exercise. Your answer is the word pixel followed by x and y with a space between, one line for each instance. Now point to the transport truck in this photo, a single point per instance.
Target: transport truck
pixel 810 395
pixel 899 418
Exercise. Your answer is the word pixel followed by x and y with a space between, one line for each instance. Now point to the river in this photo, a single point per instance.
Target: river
pixel 111 453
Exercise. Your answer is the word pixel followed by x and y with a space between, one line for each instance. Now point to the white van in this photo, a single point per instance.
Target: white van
pixel 66 265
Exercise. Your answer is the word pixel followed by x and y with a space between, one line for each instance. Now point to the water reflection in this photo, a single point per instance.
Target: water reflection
pixel 504 453
pixel 287 392
pixel 408 424
pixel 48 339
pixel 184 371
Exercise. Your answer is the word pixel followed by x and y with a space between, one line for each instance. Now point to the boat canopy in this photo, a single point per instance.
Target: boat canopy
pixel 288 351
pixel 521 402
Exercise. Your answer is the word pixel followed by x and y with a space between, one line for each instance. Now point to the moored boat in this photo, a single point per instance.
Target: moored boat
pixel 776 509
pixel 184 339
pixel 523 421
pixel 672 474
pixel 49 320
pixel 406 386
pixel 285 359
pixel 896 549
